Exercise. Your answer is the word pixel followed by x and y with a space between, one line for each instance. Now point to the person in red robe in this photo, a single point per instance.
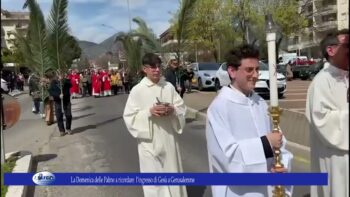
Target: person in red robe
pixel 106 80
pixel 75 80
pixel 96 84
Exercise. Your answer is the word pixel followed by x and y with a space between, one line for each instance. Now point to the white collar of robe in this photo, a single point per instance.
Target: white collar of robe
pixel 335 71
pixel 234 95
pixel 149 83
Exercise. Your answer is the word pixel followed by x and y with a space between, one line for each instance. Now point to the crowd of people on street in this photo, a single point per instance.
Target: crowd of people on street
pixel 55 91
pixel 13 81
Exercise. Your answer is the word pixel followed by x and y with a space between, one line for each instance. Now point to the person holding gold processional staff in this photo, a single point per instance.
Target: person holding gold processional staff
pixel 239 130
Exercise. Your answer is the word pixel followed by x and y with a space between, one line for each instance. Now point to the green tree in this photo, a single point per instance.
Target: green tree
pixel 204 27
pixel 180 24
pixel 14 56
pixel 290 19
pixel 135 44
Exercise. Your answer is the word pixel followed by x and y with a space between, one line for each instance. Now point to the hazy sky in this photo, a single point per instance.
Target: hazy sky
pixel 85 17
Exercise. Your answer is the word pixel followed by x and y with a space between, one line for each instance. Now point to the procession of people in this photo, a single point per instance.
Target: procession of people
pixel 238 129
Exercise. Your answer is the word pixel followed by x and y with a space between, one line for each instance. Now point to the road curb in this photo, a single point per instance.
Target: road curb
pixel 23 165
pixel 195 114
pixel 17 93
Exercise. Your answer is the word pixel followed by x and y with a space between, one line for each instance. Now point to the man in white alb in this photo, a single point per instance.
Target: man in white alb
pixel 327 110
pixel 155 114
pixel 239 128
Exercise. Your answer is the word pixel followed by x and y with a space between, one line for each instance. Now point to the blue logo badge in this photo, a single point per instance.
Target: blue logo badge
pixel 44 178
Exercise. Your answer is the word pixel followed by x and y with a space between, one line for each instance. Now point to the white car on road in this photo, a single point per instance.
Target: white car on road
pixel 261 86
pixel 204 74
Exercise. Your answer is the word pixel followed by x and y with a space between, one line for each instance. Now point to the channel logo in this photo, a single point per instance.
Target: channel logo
pixel 43 178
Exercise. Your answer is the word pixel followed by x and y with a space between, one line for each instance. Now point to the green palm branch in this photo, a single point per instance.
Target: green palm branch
pixel 132 49
pixel 149 39
pixel 58 34
pixel 34 46
pixel 180 27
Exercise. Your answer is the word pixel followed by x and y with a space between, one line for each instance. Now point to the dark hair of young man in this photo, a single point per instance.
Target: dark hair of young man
pixel 151 59
pixel 234 57
pixel 331 39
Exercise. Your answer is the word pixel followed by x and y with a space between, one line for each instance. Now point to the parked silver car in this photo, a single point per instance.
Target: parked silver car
pixel 204 74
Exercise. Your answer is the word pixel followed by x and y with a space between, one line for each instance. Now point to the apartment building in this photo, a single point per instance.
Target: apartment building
pixel 323 17
pixel 12 23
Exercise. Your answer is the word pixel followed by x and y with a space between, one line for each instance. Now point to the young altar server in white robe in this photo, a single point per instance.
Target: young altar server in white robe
pixel 239 130
pixel 327 110
pixel 156 126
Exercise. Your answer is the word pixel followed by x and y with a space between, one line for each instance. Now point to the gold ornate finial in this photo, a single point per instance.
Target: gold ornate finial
pixel 275 113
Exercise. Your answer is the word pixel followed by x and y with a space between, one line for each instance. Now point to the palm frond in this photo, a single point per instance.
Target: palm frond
pixel 132 48
pixel 58 33
pixel 150 42
pixel 35 45
pixel 184 18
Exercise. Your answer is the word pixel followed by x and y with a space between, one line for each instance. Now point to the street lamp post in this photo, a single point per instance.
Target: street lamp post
pixel 129 15
pixel 246 26
pixel 275 110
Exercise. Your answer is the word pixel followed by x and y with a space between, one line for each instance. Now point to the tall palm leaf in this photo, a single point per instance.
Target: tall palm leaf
pixel 58 33
pixel 132 48
pixel 181 24
pixel 35 45
pixel 59 37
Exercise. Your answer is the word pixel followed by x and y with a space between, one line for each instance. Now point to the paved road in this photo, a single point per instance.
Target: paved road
pixel 294 98
pixel 100 143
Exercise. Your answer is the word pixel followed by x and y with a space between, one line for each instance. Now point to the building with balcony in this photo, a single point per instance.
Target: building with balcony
pixel 167 38
pixel 13 23
pixel 323 16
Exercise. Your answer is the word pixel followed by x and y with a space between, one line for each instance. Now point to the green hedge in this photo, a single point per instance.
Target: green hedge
pixel 7 167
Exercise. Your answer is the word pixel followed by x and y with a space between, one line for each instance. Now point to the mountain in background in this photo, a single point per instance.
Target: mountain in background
pixel 92 50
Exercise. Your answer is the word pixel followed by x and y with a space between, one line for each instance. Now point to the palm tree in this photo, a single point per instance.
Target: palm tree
pixel 149 39
pixel 137 43
pixel 132 47
pixel 181 24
